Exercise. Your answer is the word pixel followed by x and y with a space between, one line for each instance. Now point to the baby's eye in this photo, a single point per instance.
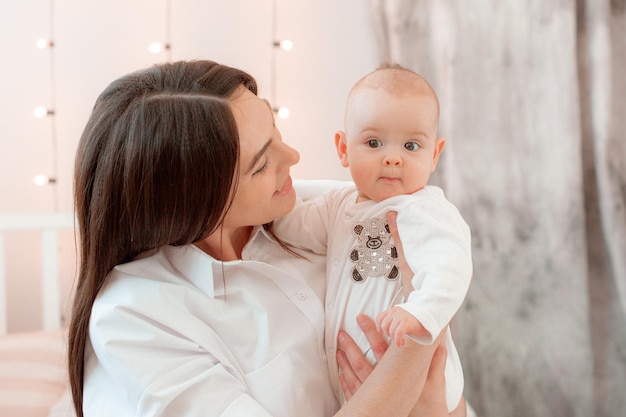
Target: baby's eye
pixel 411 146
pixel 374 143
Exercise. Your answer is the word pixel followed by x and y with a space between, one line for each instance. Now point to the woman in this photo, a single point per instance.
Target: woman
pixel 186 305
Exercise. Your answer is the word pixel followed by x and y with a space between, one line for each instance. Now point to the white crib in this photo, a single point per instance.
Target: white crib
pixel 33 375
pixel 49 224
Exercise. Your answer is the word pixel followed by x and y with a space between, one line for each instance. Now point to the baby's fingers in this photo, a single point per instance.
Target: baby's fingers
pixel 394 330
pixel 380 319
pixel 398 335
pixel 387 325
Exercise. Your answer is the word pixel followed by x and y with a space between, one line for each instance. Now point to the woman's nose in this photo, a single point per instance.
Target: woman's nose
pixel 291 156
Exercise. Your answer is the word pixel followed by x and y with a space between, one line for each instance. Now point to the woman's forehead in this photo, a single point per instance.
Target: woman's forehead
pixel 255 123
pixel 247 105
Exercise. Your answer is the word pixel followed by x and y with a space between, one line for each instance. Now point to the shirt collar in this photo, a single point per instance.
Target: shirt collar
pixel 200 269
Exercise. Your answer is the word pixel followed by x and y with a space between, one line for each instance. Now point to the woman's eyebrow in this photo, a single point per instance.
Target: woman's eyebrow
pixel 258 155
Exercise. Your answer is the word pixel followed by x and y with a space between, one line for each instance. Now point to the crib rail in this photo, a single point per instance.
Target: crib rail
pixel 49 224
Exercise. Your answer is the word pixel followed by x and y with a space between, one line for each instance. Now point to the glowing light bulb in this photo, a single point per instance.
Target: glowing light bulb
pixel 285 45
pixel 282 112
pixel 43 43
pixel 41 180
pixel 157 47
pixel 41 112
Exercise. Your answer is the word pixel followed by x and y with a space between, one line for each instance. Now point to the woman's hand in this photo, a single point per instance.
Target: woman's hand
pixel 354 368
pixel 405 271
pixel 432 402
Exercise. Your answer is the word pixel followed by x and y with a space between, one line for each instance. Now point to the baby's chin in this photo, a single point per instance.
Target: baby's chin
pixel 376 197
pixel 381 195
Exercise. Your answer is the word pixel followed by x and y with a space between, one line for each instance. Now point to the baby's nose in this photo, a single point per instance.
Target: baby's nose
pixel 392 160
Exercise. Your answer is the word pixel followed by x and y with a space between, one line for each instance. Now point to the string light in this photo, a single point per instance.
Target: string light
pixel 159 47
pixel 42 111
pixel 285 45
pixel 282 112
pixel 43 43
pixel 41 180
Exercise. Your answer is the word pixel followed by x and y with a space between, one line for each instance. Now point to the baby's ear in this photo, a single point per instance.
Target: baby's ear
pixel 440 143
pixel 342 147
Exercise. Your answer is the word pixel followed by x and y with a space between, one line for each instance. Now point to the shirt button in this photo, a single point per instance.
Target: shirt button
pixel 324 358
pixel 335 261
pixel 329 307
pixel 302 295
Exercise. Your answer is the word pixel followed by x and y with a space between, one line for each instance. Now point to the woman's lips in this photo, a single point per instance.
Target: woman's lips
pixel 285 188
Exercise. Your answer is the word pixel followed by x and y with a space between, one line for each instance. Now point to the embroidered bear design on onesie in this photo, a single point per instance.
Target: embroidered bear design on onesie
pixel 375 254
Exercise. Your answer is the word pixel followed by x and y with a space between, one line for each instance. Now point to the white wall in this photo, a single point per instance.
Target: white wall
pixel 95 42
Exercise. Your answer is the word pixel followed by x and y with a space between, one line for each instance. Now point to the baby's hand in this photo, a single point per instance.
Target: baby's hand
pixel 397 322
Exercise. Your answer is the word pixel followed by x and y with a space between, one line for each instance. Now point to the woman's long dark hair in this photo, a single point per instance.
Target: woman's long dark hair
pixel 156 165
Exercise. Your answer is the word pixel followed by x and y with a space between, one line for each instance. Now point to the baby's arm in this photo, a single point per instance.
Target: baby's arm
pixel 437 246
pixel 305 227
pixel 397 322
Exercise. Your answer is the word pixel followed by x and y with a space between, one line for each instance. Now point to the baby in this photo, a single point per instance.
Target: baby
pixel 391 147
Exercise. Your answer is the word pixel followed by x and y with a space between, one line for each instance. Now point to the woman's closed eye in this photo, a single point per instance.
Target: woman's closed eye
pixel 262 168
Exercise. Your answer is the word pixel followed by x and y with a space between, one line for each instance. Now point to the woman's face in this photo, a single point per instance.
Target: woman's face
pixel 264 191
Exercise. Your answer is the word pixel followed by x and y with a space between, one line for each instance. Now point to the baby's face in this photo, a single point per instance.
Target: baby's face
pixel 392 144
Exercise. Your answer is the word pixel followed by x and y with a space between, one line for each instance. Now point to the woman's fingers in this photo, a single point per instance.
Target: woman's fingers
pixel 392 216
pixel 405 270
pixel 376 339
pixel 353 366
pixel 349 381
pixel 355 363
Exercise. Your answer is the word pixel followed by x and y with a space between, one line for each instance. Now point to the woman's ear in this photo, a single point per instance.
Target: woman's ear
pixel 342 147
pixel 440 143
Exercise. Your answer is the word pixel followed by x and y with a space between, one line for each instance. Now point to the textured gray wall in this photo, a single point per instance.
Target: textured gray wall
pixel 533 106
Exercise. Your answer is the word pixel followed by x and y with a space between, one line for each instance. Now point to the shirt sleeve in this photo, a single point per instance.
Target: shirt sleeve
pixel 306 226
pixel 437 245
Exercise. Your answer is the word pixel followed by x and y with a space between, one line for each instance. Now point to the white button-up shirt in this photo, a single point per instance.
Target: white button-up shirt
pixel 178 333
